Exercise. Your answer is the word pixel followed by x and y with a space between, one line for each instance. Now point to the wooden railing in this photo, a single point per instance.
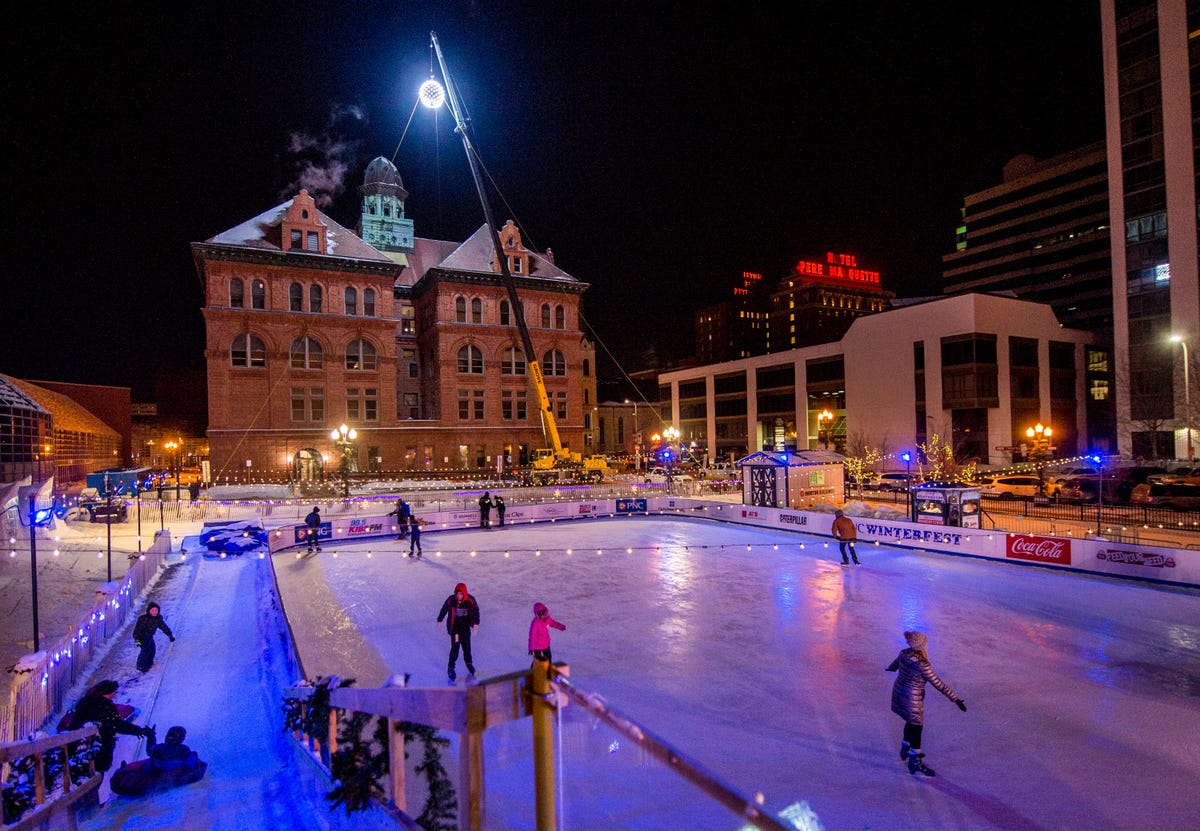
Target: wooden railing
pixel 51 803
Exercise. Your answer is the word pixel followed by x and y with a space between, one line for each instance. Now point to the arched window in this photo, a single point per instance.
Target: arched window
pixel 560 317
pixel 470 360
pixel 505 314
pixel 314 299
pixel 307 354
pixel 553 363
pixel 258 294
pixel 587 368
pixel 545 315
pixel 460 310
pixel 360 355
pixel 476 310
pixel 351 300
pixel 296 297
pixel 248 350
pixel 369 302
pixel 512 361
pixel 237 293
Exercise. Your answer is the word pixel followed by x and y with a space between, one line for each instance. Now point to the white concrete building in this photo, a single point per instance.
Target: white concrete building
pixel 977 369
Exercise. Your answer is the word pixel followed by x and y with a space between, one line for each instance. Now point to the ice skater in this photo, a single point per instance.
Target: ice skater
pixel 498 504
pixel 414 536
pixel 463 613
pixel 539 632
pixel 846 533
pixel 908 697
pixel 312 523
pixel 485 510
pixel 143 635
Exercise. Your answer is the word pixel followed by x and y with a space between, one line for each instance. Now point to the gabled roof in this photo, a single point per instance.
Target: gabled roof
pixel 797 459
pixel 426 254
pixel 263 233
pixel 476 255
pixel 68 414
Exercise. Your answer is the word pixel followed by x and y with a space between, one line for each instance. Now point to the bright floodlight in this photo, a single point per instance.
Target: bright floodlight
pixel 431 94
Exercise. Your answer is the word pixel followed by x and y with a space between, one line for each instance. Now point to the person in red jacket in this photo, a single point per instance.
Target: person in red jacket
pixel 539 632
pixel 461 613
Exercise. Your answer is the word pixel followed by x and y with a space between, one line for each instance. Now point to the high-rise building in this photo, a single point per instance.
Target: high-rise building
pixel 1151 88
pixel 1043 235
pixel 737 326
pixel 819 299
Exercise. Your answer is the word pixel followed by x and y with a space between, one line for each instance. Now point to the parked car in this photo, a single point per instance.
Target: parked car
pixel 895 481
pixel 1190 475
pixel 719 470
pixel 661 476
pixel 1130 477
pixel 1062 476
pixel 1181 496
pixel 1011 487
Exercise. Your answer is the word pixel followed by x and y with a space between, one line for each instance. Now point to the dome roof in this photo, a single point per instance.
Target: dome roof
pixel 382 172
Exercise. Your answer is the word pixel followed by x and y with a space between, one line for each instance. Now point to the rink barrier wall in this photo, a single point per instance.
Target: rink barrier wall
pixel 1095 555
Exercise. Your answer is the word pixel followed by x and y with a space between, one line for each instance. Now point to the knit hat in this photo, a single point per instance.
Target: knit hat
pixel 461 587
pixel 538 608
pixel 106 687
pixel 916 640
pixel 176 735
pixel 838 512
pixel 153 606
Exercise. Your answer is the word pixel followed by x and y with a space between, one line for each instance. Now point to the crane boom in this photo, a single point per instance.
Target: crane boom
pixel 549 424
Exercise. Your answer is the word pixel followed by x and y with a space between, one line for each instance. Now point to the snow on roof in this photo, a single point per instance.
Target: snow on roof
pixel 476 255
pixel 261 231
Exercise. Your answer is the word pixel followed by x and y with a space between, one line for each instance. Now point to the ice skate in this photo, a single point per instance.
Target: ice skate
pixel 916 764
pixel 903 751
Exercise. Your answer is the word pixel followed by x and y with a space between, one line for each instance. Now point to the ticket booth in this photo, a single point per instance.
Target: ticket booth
pixel 945 505
pixel 790 480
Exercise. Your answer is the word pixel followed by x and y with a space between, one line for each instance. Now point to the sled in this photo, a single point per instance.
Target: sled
pixel 141 777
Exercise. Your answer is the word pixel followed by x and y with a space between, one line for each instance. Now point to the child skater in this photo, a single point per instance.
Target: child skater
pixel 908 697
pixel 539 632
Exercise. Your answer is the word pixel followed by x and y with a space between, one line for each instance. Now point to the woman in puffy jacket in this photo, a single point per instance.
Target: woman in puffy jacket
pixel 908 697
pixel 539 632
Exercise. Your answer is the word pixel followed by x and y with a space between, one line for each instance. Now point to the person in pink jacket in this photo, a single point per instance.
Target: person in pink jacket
pixel 539 632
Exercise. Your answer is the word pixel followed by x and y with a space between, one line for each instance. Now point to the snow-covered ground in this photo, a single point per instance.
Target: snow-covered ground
pixel 764 665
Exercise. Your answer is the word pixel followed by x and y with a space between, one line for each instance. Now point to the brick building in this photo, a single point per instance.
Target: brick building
pixel 410 341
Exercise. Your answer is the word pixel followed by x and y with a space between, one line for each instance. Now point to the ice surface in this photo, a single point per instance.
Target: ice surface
pixel 765 665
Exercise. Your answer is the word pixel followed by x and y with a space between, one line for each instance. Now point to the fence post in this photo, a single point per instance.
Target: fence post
pixel 543 747
pixel 396 765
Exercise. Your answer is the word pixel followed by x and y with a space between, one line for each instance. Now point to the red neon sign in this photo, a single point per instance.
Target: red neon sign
pixel 842 268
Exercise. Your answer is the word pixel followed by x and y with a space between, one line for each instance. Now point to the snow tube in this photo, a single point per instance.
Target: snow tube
pixel 141 777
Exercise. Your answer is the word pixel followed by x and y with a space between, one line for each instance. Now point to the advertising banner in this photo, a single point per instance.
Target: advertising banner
pixel 1039 549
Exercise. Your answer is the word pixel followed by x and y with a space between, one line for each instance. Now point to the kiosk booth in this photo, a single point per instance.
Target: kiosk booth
pixel 790 480
pixel 934 504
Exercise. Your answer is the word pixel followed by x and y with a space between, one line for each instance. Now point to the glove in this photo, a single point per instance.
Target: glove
pixel 137 643
pixel 962 705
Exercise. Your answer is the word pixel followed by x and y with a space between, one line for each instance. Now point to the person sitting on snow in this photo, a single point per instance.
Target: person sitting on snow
pixel 171 754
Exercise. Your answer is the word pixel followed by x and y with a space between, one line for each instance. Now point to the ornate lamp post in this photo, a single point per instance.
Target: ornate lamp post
pixel 824 419
pixel 1039 449
pixel 344 439
pixel 671 434
pixel 1187 395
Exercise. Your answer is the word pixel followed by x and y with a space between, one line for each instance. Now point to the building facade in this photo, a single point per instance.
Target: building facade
pixel 1151 83
pixel 976 369
pixel 411 342
pixel 736 327
pixel 819 299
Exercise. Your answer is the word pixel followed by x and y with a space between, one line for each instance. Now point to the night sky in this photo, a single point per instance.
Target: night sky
pixel 658 154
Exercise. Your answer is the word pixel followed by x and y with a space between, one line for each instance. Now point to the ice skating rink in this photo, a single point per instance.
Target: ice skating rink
pixel 766 665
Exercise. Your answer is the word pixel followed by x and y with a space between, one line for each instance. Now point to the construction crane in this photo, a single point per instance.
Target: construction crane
pixel 554 463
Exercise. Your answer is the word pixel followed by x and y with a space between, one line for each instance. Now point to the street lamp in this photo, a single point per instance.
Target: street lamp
pixel 1039 449
pixel 36 519
pixel 671 434
pixel 906 457
pixel 1187 395
pixel 637 438
pixel 824 419
pixel 344 438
